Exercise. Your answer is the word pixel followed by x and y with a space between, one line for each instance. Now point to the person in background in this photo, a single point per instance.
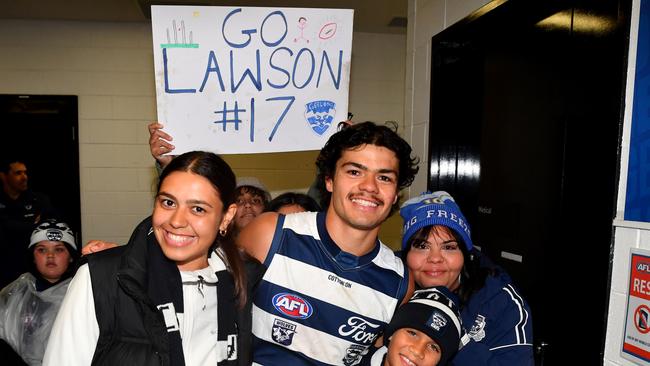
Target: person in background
pixel 437 248
pixel 28 305
pixel 252 200
pixel 174 294
pixel 20 209
pixel 292 202
pixel 426 331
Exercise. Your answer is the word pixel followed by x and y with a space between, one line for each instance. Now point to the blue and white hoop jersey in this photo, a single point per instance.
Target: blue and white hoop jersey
pixel 317 304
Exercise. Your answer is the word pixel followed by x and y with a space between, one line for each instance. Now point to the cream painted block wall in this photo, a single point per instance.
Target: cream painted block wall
pixel 425 19
pixel 109 66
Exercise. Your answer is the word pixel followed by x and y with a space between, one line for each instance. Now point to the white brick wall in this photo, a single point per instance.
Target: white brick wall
pixel 109 66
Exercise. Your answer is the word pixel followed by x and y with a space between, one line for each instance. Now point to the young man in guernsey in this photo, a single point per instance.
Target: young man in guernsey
pixel 331 287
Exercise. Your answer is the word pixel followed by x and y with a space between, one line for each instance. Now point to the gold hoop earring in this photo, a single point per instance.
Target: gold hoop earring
pixel 223 232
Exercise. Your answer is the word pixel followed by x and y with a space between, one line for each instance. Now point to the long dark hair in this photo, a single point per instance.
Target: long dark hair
pixel 352 136
pixel 213 168
pixel 472 275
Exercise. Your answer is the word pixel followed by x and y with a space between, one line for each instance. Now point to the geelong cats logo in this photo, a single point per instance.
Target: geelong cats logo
pixel 320 114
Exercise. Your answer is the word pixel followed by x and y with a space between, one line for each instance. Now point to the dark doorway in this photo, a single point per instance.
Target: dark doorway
pixel 44 130
pixel 526 108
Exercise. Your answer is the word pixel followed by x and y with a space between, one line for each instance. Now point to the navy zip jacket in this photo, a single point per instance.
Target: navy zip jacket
pixel 499 325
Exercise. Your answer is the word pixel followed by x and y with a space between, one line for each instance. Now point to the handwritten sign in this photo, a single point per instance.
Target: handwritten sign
pixel 251 80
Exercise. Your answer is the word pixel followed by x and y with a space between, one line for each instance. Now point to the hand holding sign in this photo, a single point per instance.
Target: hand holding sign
pixel 159 145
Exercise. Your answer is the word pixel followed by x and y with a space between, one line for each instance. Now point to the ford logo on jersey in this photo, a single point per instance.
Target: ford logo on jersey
pixel 292 305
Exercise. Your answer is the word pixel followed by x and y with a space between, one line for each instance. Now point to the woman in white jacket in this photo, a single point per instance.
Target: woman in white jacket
pixel 173 294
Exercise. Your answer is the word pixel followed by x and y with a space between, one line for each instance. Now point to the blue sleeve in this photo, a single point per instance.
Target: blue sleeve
pixel 479 354
pixel 499 327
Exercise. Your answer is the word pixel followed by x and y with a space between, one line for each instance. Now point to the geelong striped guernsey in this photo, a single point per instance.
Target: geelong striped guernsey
pixel 318 305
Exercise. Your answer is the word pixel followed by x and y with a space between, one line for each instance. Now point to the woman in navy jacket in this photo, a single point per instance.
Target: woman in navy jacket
pixel 437 247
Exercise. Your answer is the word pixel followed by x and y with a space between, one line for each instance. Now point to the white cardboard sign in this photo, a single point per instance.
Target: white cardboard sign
pixel 251 80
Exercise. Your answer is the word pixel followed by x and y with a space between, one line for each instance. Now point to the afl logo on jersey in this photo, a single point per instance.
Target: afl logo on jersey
pixel 292 305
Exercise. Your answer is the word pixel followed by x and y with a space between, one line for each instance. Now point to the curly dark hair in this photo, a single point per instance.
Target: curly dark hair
pixel 350 136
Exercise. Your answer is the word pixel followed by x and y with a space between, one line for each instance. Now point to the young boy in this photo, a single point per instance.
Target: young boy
pixel 426 331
